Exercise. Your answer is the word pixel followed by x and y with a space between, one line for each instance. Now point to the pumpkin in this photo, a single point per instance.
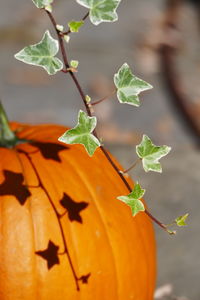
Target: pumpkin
pixel 63 233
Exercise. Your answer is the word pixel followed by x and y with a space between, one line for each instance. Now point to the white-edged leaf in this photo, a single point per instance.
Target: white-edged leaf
pixel 101 10
pixel 42 54
pixel 74 26
pixel 82 133
pixel 42 3
pixel 129 86
pixel 150 154
pixel 133 199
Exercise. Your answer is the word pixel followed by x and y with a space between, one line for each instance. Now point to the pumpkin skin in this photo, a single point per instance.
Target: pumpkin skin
pixel 58 191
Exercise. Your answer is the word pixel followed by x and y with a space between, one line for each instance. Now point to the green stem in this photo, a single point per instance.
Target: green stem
pixel 7 136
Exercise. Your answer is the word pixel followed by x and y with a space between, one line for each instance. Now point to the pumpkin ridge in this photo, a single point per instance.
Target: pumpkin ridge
pixel 83 178
pixel 58 218
pixel 30 214
pixel 141 231
pixel 77 277
pixel 30 266
pixel 140 236
pixel 136 221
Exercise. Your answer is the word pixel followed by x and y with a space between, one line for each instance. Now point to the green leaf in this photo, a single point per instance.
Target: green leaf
pixel 82 133
pixel 42 54
pixel 101 10
pixel 129 86
pixel 74 63
pixel 42 3
pixel 74 26
pixel 133 199
pixel 150 154
pixel 180 221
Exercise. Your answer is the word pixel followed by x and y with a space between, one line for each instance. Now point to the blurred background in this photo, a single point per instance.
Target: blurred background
pixel 159 39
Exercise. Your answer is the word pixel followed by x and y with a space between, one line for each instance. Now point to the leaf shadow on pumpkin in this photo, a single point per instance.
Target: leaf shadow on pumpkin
pixel 49 150
pixel 51 254
pixel 73 208
pixel 13 185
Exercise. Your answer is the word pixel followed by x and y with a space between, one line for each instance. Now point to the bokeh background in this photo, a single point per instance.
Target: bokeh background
pixel 159 39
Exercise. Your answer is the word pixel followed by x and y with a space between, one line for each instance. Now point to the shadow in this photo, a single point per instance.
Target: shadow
pixel 13 186
pixel 50 255
pixel 73 208
pixel 84 279
pixel 50 150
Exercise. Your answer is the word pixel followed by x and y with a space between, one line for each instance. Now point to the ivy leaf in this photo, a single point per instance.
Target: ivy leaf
pixel 180 221
pixel 82 133
pixel 150 154
pixel 42 54
pixel 129 86
pixel 133 199
pixel 42 3
pixel 101 10
pixel 74 26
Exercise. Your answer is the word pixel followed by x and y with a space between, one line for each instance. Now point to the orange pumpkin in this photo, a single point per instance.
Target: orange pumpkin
pixel 63 233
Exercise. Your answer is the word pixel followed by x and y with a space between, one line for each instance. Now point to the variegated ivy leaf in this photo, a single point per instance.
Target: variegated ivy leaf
pixel 101 10
pixel 150 154
pixel 42 3
pixel 74 26
pixel 133 199
pixel 82 133
pixel 129 86
pixel 180 221
pixel 42 54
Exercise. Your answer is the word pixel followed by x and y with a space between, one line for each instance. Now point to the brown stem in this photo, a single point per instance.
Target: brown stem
pixel 104 98
pixel 87 107
pixel 156 221
pixel 132 166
